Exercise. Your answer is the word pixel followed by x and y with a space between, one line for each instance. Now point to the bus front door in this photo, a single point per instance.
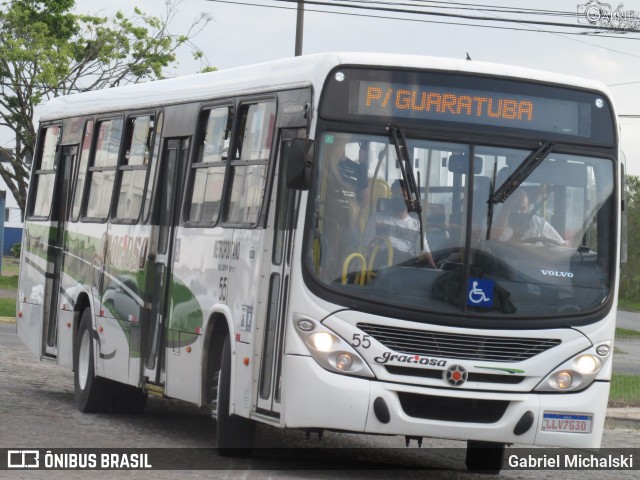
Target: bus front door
pixel 166 212
pixel 59 214
pixel 282 214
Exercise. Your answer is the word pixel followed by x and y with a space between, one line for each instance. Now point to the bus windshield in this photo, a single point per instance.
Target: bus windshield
pixel 494 231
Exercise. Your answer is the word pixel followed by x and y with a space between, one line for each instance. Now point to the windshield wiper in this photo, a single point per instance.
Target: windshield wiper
pixel 521 173
pixel 397 136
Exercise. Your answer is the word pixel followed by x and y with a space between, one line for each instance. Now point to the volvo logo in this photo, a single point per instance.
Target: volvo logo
pixel 553 273
pixel 456 375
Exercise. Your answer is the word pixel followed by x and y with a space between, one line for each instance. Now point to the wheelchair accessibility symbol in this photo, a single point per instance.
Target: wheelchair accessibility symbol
pixel 480 292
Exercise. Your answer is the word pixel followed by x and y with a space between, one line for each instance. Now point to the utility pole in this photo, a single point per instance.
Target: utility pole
pixel 299 27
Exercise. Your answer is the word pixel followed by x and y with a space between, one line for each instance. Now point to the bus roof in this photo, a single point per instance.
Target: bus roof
pixel 279 74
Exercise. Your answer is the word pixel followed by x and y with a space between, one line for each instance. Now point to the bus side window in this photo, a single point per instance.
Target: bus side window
pixel 102 173
pixel 82 170
pixel 46 172
pixel 210 165
pixel 133 167
pixel 249 163
pixel 153 167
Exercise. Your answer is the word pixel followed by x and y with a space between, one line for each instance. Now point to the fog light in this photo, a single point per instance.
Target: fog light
pixel 587 364
pixel 344 361
pixel 322 341
pixel 564 380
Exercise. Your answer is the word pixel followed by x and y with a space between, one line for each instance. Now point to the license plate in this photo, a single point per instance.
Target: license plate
pixel 567 422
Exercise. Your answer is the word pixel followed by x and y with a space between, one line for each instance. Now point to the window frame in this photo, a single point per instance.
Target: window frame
pixel 195 165
pixel 78 216
pixel 152 174
pixel 37 173
pixel 92 169
pixel 236 160
pixel 121 167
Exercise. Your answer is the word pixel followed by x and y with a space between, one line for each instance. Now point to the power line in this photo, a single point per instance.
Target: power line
pixel 469 6
pixel 562 35
pixel 357 5
pixel 387 17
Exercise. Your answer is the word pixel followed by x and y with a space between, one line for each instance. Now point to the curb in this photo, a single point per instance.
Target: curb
pixel 7 320
pixel 625 417
pixel 622 422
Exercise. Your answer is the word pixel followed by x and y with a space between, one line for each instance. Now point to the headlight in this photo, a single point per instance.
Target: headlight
pixel 330 350
pixel 321 341
pixel 578 372
pixel 587 364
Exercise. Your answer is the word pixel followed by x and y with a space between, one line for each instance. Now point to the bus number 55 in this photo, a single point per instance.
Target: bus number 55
pixel 361 341
pixel 222 289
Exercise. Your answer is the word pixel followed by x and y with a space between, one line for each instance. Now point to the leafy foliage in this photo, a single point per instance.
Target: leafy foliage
pixel 629 272
pixel 47 51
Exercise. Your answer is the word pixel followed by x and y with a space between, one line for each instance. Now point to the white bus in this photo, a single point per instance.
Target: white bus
pixel 240 240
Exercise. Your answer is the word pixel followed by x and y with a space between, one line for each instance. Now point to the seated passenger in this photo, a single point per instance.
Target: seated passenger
pixel 401 228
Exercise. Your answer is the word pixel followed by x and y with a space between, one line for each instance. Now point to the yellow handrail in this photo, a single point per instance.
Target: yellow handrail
pixel 374 253
pixel 345 268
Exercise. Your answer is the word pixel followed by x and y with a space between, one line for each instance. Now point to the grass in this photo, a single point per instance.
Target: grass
pixel 628 304
pixel 9 283
pixel 10 266
pixel 9 277
pixel 7 307
pixel 625 391
pixel 627 334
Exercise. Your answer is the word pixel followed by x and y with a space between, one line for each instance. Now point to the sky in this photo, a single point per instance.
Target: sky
pixel 243 32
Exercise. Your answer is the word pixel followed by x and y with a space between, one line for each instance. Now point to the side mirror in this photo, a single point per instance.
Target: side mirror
pixel 299 158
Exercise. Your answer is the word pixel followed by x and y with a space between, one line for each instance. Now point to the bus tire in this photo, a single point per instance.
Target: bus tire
pixel 484 457
pixel 93 394
pixel 234 434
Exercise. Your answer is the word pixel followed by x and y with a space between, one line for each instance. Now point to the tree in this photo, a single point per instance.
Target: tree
pixel 629 276
pixel 48 51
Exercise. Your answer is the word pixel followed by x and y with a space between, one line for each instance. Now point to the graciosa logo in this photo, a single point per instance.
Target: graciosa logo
pixel 603 15
pixel 410 359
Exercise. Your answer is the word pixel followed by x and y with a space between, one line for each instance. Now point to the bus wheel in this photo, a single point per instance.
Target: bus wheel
pixel 92 394
pixel 234 434
pixel 485 457
pixel 129 399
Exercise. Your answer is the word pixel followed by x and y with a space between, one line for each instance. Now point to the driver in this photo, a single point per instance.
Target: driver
pixel 516 223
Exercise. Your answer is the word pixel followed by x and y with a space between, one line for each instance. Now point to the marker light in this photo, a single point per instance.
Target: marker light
pixel 306 325
pixel 322 341
pixel 564 380
pixel 603 350
pixel 587 364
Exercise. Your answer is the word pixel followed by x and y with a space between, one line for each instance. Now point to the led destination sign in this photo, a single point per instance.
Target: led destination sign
pixel 472 106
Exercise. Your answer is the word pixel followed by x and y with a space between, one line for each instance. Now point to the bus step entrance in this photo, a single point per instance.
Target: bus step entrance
pixel 153 389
